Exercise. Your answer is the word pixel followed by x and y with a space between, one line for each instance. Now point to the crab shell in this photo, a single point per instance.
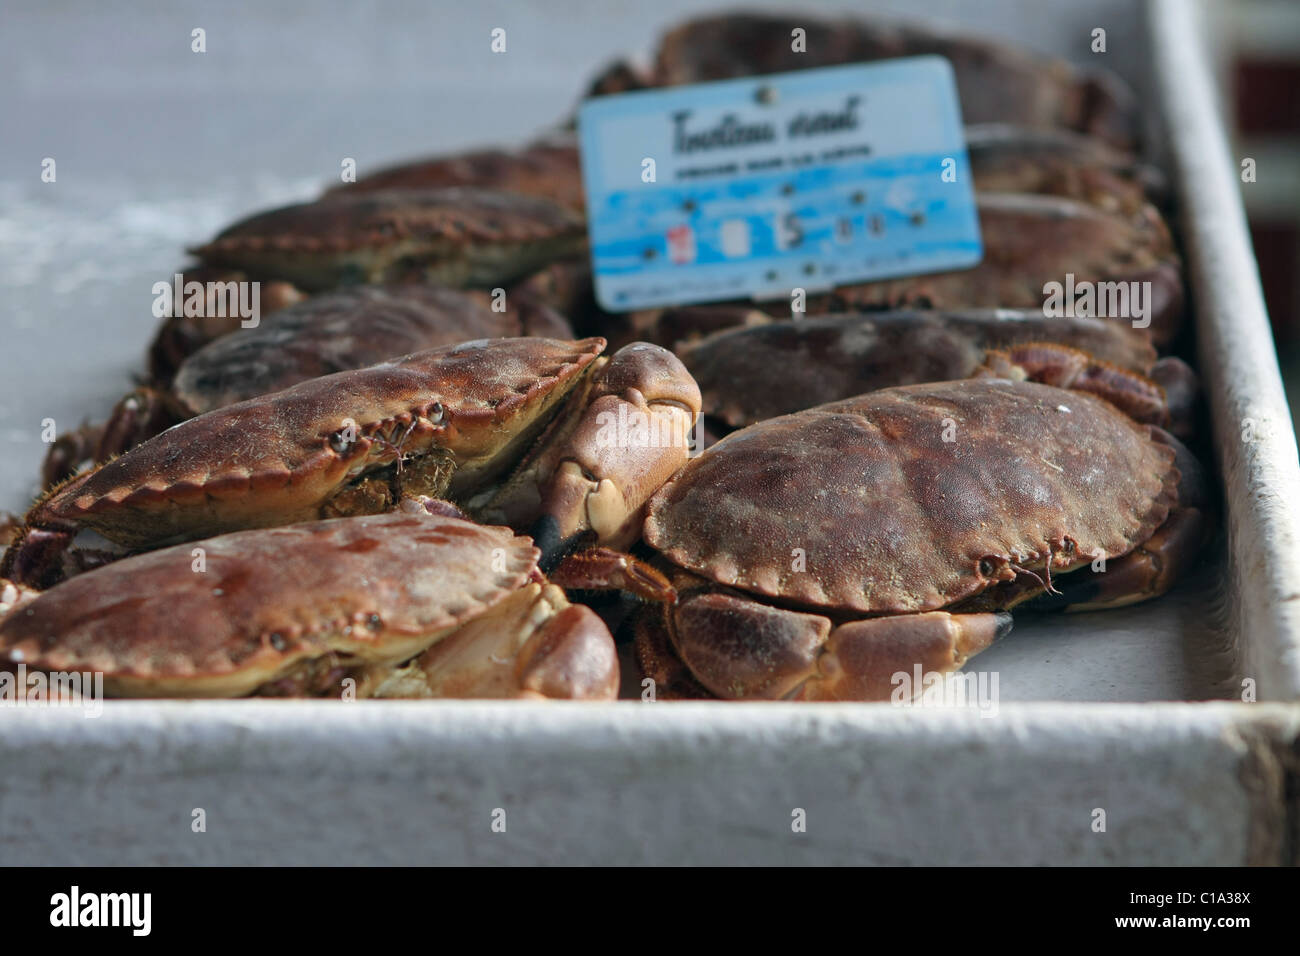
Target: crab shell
pixel 1030 241
pixel 278 459
pixel 824 359
pixel 549 169
pixel 295 610
pixel 336 332
pixel 996 83
pixel 455 236
pixel 893 519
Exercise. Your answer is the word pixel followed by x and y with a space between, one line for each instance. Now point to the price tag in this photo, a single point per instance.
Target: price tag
pixel 752 188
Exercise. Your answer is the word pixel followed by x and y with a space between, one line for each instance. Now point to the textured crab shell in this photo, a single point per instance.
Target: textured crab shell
pixel 548 168
pixel 271 461
pixel 890 517
pixel 375 590
pixel 455 236
pixel 333 332
pixel 833 357
pixel 996 83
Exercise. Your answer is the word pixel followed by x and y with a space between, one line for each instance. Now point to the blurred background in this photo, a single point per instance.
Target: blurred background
pixel 1261 81
pixel 157 146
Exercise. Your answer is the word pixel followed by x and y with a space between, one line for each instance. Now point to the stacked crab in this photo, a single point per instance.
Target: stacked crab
pixel 387 487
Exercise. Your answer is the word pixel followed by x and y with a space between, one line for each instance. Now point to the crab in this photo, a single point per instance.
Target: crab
pixel 405 604
pixel 997 83
pixel 617 76
pixel 831 357
pixel 548 168
pixel 332 332
pixel 456 236
pixel 815 555
pixel 578 438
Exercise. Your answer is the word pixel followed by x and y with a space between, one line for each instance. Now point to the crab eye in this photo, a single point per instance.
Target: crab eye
pixel 340 441
pixel 437 413
pixel 986 567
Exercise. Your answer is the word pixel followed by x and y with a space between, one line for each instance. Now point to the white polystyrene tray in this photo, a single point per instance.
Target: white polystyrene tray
pixel 1093 711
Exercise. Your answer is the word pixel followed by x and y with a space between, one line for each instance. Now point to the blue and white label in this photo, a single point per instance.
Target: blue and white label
pixel 752 188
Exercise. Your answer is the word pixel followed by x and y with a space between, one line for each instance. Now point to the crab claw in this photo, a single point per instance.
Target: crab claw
pixel 536 645
pixel 605 456
pixel 737 648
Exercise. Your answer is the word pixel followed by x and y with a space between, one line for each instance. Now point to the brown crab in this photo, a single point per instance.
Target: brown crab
pixel 455 236
pixel 548 168
pixel 815 555
pixel 406 604
pixel 997 83
pixel 332 332
pixel 554 416
pixel 832 357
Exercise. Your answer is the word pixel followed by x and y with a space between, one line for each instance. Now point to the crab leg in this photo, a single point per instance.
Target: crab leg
pixel 1155 565
pixel 599 569
pixel 69 452
pixel 1147 571
pixel 1070 368
pixel 139 416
